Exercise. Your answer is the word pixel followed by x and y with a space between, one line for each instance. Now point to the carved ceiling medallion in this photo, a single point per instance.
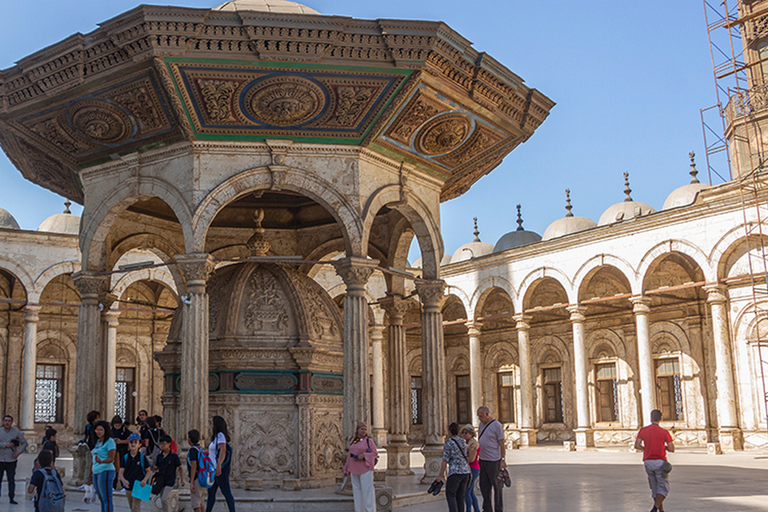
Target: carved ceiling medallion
pixel 443 134
pixel 284 101
pixel 100 121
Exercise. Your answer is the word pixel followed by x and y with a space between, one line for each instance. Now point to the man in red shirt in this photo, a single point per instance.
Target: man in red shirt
pixel 655 443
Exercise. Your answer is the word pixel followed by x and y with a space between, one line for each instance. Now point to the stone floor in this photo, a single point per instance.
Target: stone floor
pixel 544 479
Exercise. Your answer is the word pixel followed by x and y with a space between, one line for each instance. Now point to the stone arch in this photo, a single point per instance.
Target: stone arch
pixel 459 363
pixel 484 290
pixel 151 242
pixel 733 253
pixel 19 272
pixel 421 219
pixel 96 223
pixel 49 274
pixel 594 264
pixel 500 354
pixel 669 334
pixel 605 337
pixel 539 274
pixel 296 180
pixel 121 284
pixel 546 347
pixel 414 361
pixel 675 246
pixel 727 243
pixel 62 347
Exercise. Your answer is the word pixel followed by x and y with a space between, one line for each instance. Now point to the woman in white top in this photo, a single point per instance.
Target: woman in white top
pixel 221 455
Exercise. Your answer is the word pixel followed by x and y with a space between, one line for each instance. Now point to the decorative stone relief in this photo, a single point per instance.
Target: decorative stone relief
pixel 443 134
pixel 351 103
pixel 218 99
pixel 284 101
pixel 267 444
pixel 265 309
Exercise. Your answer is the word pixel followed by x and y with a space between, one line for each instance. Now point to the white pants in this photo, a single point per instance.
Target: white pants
pixel 363 492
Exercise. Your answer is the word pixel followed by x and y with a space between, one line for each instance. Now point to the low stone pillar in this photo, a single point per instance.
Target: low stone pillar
pixel 80 458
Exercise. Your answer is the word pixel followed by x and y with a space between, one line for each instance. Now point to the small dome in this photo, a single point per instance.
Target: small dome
pixel 516 238
pixel 7 221
pixel 568 224
pixel 277 6
pixel 445 260
pixel 473 249
pixel 626 210
pixel 66 223
pixel 686 195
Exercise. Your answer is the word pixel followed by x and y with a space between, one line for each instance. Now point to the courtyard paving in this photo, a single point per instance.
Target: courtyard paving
pixel 545 479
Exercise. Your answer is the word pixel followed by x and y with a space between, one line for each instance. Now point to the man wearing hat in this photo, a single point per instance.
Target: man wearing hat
pixel 134 467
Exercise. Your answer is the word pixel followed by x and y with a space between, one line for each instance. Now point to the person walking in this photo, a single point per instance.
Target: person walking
pixel 120 434
pixel 361 459
pixel 197 493
pixel 459 473
pixel 134 467
pixel 168 464
pixel 221 455
pixel 54 496
pixel 12 444
pixel 103 468
pixel 492 455
pixel 655 442
pixel 473 457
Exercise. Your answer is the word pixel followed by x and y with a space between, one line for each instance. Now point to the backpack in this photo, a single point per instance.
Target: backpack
pixel 51 493
pixel 141 463
pixel 206 471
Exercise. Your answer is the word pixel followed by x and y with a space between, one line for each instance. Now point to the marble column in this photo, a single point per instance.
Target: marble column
pixel 527 432
pixel 196 268
pixel 433 375
pixel 727 420
pixel 110 318
pixel 584 433
pixel 398 449
pixel 475 369
pixel 355 272
pixel 379 432
pixel 644 358
pixel 29 371
pixel 90 378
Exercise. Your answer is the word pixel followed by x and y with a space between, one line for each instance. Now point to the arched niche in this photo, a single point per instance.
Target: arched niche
pixel 605 282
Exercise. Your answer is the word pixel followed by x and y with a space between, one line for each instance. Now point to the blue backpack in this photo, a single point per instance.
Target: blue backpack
pixel 51 493
pixel 206 471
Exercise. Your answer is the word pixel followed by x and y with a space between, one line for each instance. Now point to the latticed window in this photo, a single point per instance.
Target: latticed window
pixel 669 389
pixel 416 405
pixel 124 388
pixel 606 392
pixel 506 386
pixel 553 395
pixel 49 387
pixel 463 399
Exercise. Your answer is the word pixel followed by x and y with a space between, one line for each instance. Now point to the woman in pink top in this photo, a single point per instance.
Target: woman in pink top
pixel 473 457
pixel 359 467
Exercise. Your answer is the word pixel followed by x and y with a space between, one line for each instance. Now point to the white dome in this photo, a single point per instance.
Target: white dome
pixel 444 261
pixel 66 223
pixel 567 226
pixel 624 210
pixel 516 239
pixel 684 196
pixel 277 6
pixel 7 221
pixel 471 250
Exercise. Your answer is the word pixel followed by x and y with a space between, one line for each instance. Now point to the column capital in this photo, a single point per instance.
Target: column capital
pixel 376 332
pixel 522 321
pixel 716 293
pixel 473 328
pixel 90 283
pixel 355 271
pixel 32 313
pixel 195 268
pixel 430 291
pixel 577 313
pixel 111 317
pixel 395 306
pixel 640 304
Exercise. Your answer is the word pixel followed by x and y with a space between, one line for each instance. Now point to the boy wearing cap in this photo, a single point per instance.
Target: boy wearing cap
pixel 134 467
pixel 167 464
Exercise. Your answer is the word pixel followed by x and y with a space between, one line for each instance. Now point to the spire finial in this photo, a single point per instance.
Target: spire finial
pixel 519 220
pixel 476 232
pixel 258 244
pixel 67 204
pixel 568 205
pixel 627 190
pixel 693 172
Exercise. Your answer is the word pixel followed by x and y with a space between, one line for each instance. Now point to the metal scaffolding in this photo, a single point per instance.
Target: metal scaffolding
pixel 733 27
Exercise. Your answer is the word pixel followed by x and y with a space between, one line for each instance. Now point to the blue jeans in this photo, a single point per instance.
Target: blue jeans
pixel 470 500
pixel 103 484
pixel 221 482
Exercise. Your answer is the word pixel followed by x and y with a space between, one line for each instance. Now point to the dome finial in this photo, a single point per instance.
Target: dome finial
pixel 693 172
pixel 67 204
pixel 568 205
pixel 519 220
pixel 627 190
pixel 476 232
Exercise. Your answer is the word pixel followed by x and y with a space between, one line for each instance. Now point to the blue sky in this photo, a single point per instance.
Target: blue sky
pixel 628 78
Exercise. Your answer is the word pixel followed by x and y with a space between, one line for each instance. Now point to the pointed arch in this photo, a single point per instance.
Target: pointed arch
pixel 49 274
pixel 483 291
pixel 676 246
pixel 587 269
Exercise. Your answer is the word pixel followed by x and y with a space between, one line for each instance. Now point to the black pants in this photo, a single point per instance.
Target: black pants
pixel 9 468
pixel 489 481
pixel 455 488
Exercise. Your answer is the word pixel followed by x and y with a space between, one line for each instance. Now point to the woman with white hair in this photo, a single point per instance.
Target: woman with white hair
pixel 361 460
